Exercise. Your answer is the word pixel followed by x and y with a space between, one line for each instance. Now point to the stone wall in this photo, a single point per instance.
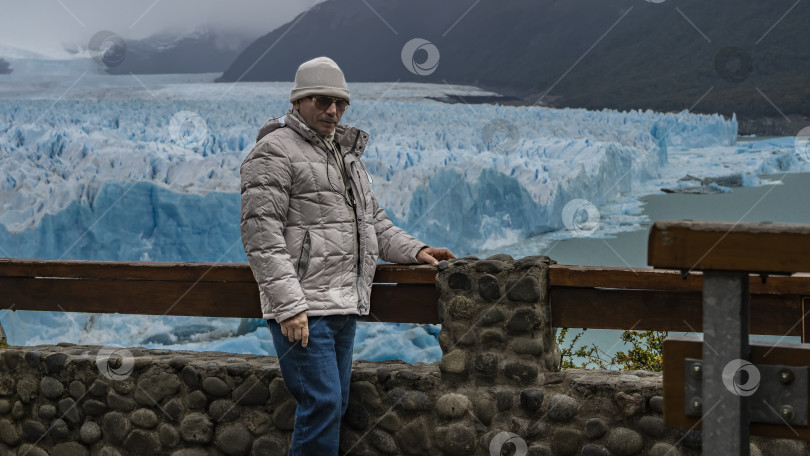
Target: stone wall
pixel 496 389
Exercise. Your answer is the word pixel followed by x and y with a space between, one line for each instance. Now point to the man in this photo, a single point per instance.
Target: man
pixel 313 231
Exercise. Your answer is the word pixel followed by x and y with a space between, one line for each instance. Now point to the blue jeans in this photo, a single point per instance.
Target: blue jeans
pixel 318 377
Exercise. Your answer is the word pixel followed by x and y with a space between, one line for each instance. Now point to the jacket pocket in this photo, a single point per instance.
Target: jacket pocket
pixel 303 257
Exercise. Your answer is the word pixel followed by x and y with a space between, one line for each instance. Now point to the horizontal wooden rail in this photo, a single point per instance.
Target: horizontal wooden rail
pixel 723 246
pixel 580 296
pixel 402 293
pixel 665 300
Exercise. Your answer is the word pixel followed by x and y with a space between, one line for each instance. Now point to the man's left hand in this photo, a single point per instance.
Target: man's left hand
pixel 432 256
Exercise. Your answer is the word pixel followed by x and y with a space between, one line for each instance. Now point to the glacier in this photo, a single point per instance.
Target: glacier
pixel 93 169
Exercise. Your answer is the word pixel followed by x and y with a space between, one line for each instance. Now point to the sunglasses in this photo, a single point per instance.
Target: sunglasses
pixel 324 103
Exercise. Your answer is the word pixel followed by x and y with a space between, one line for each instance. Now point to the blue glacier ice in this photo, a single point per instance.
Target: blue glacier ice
pixel 92 170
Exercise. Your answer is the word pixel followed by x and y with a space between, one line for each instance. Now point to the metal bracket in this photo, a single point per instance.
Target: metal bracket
pixel 779 397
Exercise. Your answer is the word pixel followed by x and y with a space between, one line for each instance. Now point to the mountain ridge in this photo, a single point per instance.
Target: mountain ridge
pixel 578 53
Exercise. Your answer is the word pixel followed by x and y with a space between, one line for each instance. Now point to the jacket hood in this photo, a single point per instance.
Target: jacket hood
pixel 349 138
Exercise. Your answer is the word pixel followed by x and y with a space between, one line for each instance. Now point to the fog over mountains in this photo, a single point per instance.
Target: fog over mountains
pixel 722 56
pixel 203 51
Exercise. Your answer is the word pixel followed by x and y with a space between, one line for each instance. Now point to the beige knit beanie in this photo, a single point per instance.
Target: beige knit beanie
pixel 319 76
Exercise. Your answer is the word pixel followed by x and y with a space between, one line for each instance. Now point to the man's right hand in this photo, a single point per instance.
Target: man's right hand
pixel 296 327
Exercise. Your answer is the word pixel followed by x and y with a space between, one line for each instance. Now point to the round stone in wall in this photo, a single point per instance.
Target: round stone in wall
pixel 525 289
pixel 531 399
pixel 168 435
pixel 26 389
pixel 269 446
pixel 452 405
pixel 98 388
pixel 196 400
pixel 561 408
pixel 461 308
pixel 69 449
pixel 489 288
pixel 652 426
pixel 90 432
pixel 458 281
pixel 70 411
pixel 47 411
pixel 454 362
pixel 624 442
pixel 196 428
pixel 51 387
pixel 595 428
pixel 224 410
pixel 383 441
pixel 527 346
pixel 664 449
pixel 191 377
pixel 9 433
pixel 32 430
pixel 144 418
pixel 657 404
pixel 77 389
pixel 115 426
pixel 55 362
pixel 489 266
pixel 152 388
pixel 233 439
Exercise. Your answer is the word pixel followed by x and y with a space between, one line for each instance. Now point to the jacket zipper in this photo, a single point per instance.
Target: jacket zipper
pixel 360 254
pixel 305 249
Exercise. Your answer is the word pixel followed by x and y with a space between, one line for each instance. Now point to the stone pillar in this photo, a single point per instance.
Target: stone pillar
pixel 496 321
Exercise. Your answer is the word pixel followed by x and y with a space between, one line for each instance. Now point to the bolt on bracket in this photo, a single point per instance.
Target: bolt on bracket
pixel 779 398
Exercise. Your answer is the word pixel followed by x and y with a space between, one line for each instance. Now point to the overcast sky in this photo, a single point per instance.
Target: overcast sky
pixel 45 25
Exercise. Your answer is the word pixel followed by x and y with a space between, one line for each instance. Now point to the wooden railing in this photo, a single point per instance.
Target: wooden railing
pixel 580 296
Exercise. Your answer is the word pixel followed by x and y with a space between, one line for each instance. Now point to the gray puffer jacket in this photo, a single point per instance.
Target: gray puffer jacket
pixel 298 229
